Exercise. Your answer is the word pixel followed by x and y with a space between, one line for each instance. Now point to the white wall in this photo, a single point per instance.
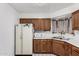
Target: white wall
pixel 8 17
pixel 35 15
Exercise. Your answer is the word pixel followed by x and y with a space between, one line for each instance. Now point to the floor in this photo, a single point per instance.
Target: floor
pixel 44 55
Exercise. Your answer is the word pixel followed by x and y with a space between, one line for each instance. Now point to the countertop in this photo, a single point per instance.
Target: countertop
pixel 72 39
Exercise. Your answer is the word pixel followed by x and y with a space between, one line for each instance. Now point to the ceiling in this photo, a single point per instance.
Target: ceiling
pixel 39 7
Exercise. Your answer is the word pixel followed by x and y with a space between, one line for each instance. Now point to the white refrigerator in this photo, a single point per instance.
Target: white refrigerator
pixel 23 39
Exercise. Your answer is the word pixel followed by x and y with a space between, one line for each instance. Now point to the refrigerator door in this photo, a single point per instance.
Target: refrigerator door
pixel 27 39
pixel 18 40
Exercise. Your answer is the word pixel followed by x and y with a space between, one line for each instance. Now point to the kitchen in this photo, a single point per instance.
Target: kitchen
pixel 58 36
pixel 48 33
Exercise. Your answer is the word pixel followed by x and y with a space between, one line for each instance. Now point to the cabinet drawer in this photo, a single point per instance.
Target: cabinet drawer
pixel 58 41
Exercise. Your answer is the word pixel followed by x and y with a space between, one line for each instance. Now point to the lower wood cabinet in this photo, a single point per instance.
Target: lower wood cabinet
pixel 58 47
pixel 75 51
pixel 42 46
pixel 36 46
pixel 68 49
pixel 46 46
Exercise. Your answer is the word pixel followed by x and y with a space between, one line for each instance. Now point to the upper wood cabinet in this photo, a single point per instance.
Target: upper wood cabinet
pixel 47 24
pixel 25 20
pixel 75 20
pixel 42 24
pixel 38 23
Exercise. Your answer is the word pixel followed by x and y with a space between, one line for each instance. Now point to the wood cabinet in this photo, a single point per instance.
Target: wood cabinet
pixel 46 46
pixel 25 20
pixel 68 48
pixel 36 24
pixel 75 51
pixel 47 24
pixel 42 46
pixel 75 20
pixel 61 48
pixel 58 47
pixel 43 24
pixel 36 46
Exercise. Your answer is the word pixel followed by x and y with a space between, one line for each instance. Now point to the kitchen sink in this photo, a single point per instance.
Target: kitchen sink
pixel 62 37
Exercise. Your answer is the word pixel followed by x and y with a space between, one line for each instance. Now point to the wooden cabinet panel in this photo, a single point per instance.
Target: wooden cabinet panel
pixel 68 49
pixel 49 46
pixel 36 46
pixel 42 46
pixel 75 20
pixel 25 20
pixel 75 51
pixel 46 46
pixel 47 23
pixel 58 47
pixel 42 24
pixel 78 20
pixel 38 23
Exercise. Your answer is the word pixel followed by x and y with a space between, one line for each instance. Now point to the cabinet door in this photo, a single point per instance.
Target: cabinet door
pixel 42 46
pixel 58 47
pixel 36 24
pixel 75 51
pixel 78 20
pixel 49 46
pixel 67 49
pixel 47 24
pixel 42 24
pixel 36 46
pixel 46 46
pixel 75 20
